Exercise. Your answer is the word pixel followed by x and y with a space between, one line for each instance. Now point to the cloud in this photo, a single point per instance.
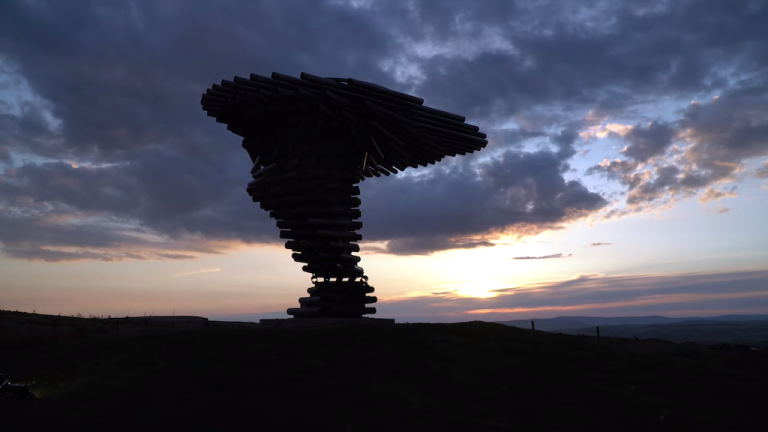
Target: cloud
pixel 762 172
pixel 175 256
pixel 214 270
pixel 599 295
pixel 722 133
pixel 512 137
pixel 557 255
pixel 726 131
pixel 422 245
pixel 615 169
pixel 564 142
pixel 464 204
pixel 598 54
pixel 600 244
pixel 650 185
pixel 54 255
pixel 44 232
pixel 92 140
pixel 648 141
pixel 712 194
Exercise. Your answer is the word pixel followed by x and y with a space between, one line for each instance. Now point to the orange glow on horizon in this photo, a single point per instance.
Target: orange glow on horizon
pixel 641 301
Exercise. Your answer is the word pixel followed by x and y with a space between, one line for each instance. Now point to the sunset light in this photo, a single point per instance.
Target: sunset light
pixel 383 215
pixel 605 156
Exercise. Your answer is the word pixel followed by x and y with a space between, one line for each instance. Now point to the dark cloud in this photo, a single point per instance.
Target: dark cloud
pixel 49 255
pixel 564 142
pixel 615 169
pixel 175 256
pixel 512 137
pixel 459 204
pixel 169 193
pixel 28 131
pixel 447 208
pixel 726 131
pixel 557 255
pixel 601 244
pixel 722 134
pixel 648 141
pixel 132 73
pixel 57 255
pixel 605 54
pixel 762 172
pixel 116 91
pixel 646 187
pixel 422 245
pixel 39 233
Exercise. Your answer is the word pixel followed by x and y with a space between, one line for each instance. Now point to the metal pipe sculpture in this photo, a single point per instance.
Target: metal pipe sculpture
pixel 311 140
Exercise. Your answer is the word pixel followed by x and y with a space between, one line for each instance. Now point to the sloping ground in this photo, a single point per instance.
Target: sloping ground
pixel 469 376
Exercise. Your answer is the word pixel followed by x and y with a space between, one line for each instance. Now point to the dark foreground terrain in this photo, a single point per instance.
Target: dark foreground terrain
pixel 90 374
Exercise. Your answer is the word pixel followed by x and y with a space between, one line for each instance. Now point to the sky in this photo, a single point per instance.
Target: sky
pixel 626 172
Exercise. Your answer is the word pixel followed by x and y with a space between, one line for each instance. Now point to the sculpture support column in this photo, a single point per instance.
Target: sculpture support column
pixel 315 205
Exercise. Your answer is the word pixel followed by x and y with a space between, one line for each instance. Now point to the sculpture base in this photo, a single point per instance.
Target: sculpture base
pixel 325 322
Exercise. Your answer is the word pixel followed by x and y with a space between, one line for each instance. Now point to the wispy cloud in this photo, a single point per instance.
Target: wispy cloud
pixel 627 295
pixel 214 270
pixel 175 256
pixel 639 301
pixel 601 244
pixel 712 194
pixel 557 255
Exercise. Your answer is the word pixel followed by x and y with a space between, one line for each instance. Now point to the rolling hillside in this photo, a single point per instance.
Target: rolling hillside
pixel 469 376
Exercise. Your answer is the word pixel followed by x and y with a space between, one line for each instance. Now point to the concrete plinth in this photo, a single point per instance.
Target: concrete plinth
pixel 325 322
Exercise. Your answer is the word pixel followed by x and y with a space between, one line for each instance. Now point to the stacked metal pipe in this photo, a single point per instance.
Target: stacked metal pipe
pixel 311 140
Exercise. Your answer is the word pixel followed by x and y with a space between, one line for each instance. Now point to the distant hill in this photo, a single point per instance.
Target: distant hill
pixel 733 329
pixel 250 317
pixel 577 322
pixel 754 333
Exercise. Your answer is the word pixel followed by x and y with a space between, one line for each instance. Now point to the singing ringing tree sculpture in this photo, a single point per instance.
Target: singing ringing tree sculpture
pixel 311 140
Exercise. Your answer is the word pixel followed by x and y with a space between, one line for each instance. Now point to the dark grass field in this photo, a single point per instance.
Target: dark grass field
pixel 421 377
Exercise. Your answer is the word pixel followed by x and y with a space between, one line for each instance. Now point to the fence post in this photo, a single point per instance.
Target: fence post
pixel 533 326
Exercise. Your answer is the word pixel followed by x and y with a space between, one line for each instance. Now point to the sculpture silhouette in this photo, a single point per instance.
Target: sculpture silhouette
pixel 311 140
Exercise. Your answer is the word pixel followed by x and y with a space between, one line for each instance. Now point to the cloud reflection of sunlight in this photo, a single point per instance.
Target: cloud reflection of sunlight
pixel 213 270
pixel 481 289
pixel 477 289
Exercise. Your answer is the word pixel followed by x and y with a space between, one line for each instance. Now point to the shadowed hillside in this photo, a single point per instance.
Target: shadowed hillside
pixel 579 322
pixel 732 329
pixel 469 376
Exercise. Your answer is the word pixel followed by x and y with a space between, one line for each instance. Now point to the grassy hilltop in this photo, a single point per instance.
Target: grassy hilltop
pixel 90 375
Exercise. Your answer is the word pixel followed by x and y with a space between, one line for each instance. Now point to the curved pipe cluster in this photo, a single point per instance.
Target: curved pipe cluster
pixel 315 205
pixel 311 140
